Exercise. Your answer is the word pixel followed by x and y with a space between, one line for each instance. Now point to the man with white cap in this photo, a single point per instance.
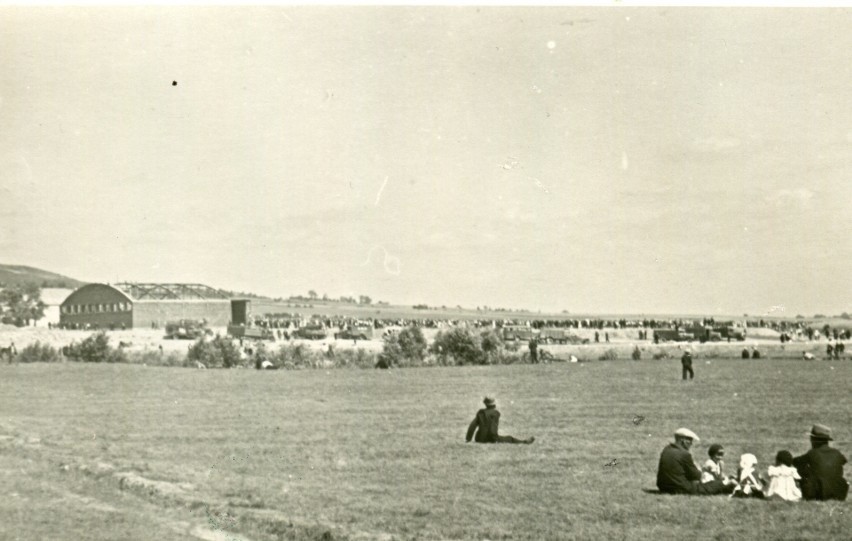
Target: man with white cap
pixel 821 468
pixel 678 474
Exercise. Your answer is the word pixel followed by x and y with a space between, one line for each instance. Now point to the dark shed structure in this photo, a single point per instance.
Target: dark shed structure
pixel 134 304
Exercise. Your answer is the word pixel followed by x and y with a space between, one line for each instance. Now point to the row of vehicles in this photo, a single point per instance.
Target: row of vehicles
pixel 718 332
pixel 547 335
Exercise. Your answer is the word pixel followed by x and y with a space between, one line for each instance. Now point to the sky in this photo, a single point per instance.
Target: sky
pixel 595 160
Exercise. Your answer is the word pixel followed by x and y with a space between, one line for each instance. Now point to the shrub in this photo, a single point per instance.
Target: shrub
pixel 95 349
pixel 38 353
pixel 492 346
pixel 156 358
pixel 406 347
pixel 662 354
pixel 356 358
pixel 296 356
pixel 219 352
pixel 637 354
pixel 459 344
pixel 608 355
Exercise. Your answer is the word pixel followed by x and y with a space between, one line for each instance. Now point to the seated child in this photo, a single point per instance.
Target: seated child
pixel 749 484
pixel 712 469
pixel 782 479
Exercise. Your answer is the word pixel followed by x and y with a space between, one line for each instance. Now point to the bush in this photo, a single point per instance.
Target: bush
pixel 459 344
pixel 38 353
pixel 95 349
pixel 219 352
pixel 356 358
pixel 156 358
pixel 637 354
pixel 406 347
pixel 609 355
pixel 296 357
pixel 492 346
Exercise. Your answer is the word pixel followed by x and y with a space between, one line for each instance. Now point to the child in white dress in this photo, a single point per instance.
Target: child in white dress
pixel 749 484
pixel 782 479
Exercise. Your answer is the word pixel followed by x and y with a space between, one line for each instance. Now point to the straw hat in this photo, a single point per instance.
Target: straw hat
pixel 821 432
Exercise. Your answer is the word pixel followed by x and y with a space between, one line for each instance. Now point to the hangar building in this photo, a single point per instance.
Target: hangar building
pixel 133 304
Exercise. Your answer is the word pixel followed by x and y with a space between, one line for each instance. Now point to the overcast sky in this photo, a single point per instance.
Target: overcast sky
pixel 641 160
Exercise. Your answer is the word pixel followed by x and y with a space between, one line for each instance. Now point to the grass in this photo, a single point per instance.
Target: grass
pixel 380 454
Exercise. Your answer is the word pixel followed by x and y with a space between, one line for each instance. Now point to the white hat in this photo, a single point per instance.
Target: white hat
pixel 686 433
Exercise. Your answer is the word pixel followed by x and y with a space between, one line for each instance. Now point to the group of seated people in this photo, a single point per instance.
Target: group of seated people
pixel 816 475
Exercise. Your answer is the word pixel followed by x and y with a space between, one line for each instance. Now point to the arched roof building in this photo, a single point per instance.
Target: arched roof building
pixel 134 304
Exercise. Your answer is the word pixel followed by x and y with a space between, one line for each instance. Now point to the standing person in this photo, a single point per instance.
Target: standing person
pixel 821 468
pixel 677 473
pixel 486 423
pixel 533 345
pixel 597 337
pixel 686 362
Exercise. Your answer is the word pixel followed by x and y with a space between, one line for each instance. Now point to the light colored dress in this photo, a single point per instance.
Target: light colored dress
pixel 711 471
pixel 782 483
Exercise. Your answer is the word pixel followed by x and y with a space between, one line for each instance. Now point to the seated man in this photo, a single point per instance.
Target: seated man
pixel 677 473
pixel 821 468
pixel 485 425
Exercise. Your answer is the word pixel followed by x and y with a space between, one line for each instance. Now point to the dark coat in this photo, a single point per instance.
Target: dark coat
pixel 821 470
pixel 677 473
pixel 686 360
pixel 485 425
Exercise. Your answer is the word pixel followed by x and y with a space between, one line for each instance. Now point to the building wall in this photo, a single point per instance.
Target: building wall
pixel 52 297
pixel 96 305
pixel 158 313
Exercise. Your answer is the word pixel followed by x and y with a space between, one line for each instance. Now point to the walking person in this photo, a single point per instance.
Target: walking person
pixel 486 424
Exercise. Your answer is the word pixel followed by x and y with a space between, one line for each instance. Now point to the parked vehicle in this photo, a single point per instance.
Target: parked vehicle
pixel 187 329
pixel 359 332
pixel 518 332
pixel 673 335
pixel 250 333
pixel 311 332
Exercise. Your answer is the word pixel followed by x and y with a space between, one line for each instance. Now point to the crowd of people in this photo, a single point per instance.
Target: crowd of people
pixel 815 475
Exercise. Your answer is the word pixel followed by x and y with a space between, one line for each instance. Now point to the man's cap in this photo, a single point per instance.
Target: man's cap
pixel 715 449
pixel 821 432
pixel 686 433
pixel 489 400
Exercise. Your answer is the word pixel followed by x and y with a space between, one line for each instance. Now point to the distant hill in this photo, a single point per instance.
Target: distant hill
pixel 18 274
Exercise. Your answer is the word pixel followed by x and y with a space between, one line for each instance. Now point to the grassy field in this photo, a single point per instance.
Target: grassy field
pixel 128 452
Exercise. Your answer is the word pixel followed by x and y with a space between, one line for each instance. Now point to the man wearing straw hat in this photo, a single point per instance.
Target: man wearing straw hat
pixel 678 474
pixel 485 425
pixel 821 468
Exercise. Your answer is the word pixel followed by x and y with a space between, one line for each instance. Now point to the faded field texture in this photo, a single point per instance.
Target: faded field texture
pixel 128 452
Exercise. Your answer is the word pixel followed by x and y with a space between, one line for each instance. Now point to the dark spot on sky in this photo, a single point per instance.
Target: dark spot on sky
pixel 174 83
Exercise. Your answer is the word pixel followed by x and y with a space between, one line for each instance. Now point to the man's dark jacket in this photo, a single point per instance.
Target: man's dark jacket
pixel 677 473
pixel 686 360
pixel 821 470
pixel 486 420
